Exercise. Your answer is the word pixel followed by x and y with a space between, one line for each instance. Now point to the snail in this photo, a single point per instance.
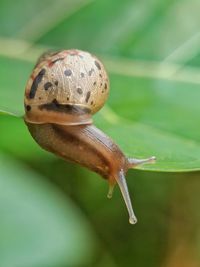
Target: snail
pixel 63 92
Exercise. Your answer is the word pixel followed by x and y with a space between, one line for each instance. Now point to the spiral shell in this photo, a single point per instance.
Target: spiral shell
pixel 66 87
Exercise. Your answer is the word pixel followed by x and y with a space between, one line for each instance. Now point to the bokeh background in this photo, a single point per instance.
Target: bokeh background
pixel 56 214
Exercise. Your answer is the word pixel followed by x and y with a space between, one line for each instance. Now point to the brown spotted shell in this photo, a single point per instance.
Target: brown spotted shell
pixel 66 87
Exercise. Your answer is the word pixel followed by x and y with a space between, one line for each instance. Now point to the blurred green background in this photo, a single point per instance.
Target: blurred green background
pixel 56 214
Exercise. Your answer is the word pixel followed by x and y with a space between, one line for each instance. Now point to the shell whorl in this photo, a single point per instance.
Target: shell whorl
pixel 66 87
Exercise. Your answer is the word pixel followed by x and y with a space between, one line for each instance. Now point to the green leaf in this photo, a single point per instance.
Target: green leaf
pixel 14 75
pixel 16 140
pixel 39 226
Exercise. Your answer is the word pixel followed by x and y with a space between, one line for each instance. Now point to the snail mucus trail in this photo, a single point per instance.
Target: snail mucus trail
pixel 63 92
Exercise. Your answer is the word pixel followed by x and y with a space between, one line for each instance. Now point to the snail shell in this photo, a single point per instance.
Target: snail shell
pixel 66 87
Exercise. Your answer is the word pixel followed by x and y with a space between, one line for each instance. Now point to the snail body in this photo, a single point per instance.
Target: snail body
pixel 64 91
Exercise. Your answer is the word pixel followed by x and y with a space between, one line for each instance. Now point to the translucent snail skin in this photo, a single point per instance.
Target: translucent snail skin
pixel 63 92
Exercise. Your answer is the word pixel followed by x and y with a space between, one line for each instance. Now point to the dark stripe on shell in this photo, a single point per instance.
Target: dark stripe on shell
pixel 87 96
pixel 97 64
pixel 56 60
pixel 64 108
pixel 36 82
